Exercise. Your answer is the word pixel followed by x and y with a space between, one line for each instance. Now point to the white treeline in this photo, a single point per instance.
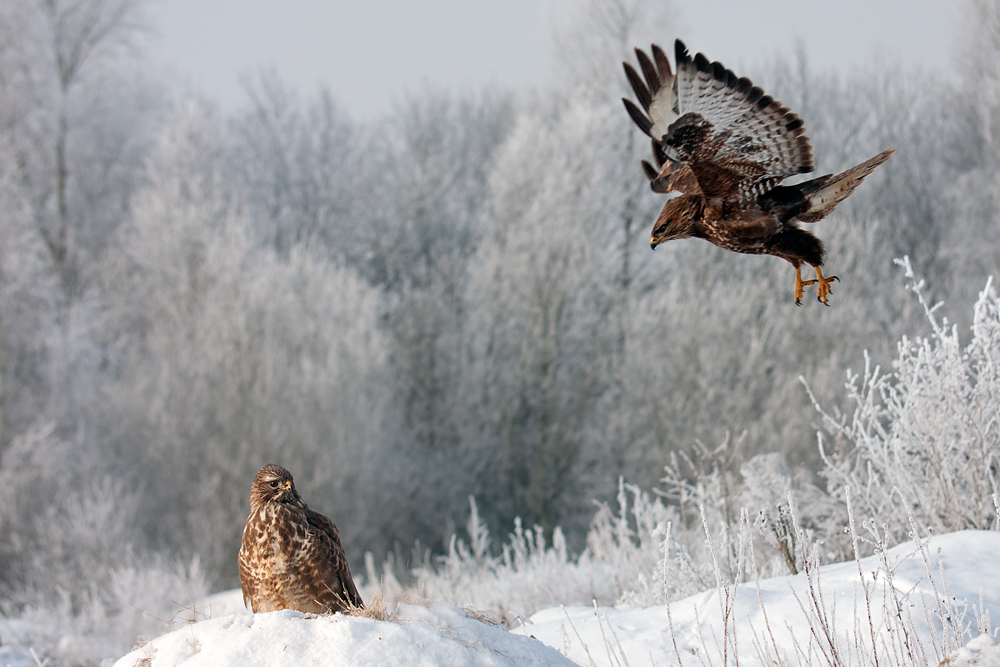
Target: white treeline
pixel 453 300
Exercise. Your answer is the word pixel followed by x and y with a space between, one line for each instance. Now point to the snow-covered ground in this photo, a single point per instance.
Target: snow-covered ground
pixel 439 634
pixel 783 621
pixel 785 608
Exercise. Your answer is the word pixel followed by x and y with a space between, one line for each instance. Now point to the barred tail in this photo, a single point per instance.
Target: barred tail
pixel 838 188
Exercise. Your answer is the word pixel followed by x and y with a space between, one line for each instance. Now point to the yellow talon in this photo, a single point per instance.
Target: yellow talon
pixel 822 282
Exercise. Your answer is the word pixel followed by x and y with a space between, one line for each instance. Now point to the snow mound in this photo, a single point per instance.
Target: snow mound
pixel 440 634
pixel 982 651
pixel 614 636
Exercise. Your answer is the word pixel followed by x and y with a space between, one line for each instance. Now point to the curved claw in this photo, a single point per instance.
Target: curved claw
pixel 822 283
pixel 831 279
pixel 799 284
pixel 823 286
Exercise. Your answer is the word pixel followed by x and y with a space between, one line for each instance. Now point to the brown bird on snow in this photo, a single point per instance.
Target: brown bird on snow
pixel 291 557
pixel 725 146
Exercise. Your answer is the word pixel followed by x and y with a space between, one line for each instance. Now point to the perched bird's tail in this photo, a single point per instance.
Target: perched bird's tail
pixel 824 193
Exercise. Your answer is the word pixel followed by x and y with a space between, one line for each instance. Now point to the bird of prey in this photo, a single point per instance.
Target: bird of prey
pixel 725 146
pixel 291 557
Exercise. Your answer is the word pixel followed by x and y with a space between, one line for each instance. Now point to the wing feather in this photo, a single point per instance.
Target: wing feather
pixel 248 579
pixel 645 124
pixel 703 112
pixel 641 91
pixel 661 60
pixel 657 93
pixel 747 125
pixel 649 72
pixel 331 564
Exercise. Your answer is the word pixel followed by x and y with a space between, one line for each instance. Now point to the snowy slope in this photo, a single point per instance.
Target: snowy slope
pixel 612 636
pixel 437 635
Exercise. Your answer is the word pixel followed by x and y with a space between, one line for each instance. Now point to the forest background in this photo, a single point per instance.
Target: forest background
pixel 454 300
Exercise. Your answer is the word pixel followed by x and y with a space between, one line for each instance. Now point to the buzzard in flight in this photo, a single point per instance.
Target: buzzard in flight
pixel 291 557
pixel 725 146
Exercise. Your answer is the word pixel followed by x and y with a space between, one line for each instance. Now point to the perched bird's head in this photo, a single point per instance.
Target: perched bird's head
pixel 676 220
pixel 273 484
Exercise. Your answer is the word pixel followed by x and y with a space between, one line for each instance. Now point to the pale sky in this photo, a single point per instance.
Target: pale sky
pixel 370 52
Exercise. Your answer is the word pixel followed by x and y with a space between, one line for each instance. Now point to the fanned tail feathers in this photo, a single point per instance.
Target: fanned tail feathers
pixel 837 188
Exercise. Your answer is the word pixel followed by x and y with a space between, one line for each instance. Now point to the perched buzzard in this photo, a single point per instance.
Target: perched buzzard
pixel 725 146
pixel 291 557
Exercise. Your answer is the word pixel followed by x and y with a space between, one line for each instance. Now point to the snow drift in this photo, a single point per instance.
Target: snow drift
pixel 895 600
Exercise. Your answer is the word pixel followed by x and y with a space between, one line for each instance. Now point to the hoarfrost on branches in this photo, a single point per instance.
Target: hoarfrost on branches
pixel 924 439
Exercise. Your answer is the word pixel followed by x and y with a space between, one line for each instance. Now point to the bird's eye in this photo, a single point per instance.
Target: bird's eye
pixel 273 484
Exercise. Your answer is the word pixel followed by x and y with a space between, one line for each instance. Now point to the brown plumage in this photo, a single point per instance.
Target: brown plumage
pixel 291 557
pixel 725 146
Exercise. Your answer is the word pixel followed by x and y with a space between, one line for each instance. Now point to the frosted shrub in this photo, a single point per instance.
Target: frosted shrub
pixel 140 599
pixel 80 591
pixel 641 544
pixel 632 547
pixel 151 596
pixel 925 438
pixel 639 553
pixel 712 488
pixel 530 573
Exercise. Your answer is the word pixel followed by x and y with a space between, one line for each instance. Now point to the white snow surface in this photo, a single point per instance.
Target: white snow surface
pixel 960 567
pixel 618 636
pixel 439 634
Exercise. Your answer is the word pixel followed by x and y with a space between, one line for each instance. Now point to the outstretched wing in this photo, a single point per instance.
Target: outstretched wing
pixel 732 137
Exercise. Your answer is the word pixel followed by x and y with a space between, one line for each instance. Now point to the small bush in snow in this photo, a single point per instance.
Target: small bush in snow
pixel 924 439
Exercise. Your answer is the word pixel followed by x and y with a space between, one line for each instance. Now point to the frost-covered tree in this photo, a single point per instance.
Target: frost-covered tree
pixel 83 137
pixel 595 36
pixel 977 45
pixel 426 239
pixel 233 355
pixel 539 302
pixel 76 124
pixel 296 162
pixel 968 201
